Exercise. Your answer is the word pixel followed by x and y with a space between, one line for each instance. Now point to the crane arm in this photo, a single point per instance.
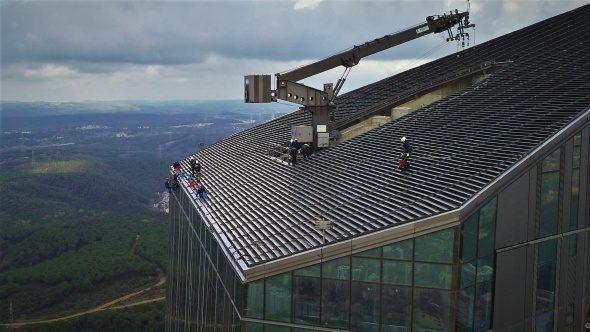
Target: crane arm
pixel 352 56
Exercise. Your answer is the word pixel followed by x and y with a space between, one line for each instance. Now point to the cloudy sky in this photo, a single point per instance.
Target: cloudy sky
pixel 197 50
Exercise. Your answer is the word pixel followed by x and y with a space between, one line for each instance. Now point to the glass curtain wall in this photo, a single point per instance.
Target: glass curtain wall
pixel 203 293
pixel 474 308
pixel 547 251
pixel 403 286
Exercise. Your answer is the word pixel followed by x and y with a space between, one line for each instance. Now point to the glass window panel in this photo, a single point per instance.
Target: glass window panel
pixel 310 271
pixel 465 309
pixel 255 299
pixel 482 316
pixel 253 327
pixel 547 251
pixel 551 162
pixel 337 269
pixel 278 297
pixel 435 247
pixel 364 308
pixel 467 274
pixel 549 204
pixel 431 309
pixel 277 328
pixel 545 287
pixel 487 229
pixel 335 303
pixel 569 314
pixel 575 200
pixel 296 329
pixel 366 269
pixel 432 275
pixel 400 250
pixel 572 245
pixel 485 268
pixel 469 249
pixel 576 157
pixel 544 321
pixel 398 273
pixel 397 308
pixel 578 139
pixel 306 300
pixel 375 253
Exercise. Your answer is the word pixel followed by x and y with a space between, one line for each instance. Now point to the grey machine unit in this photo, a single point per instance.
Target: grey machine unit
pixel 321 103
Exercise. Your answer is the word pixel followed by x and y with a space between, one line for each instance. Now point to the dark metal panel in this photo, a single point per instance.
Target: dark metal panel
pixel 583 213
pixel 529 307
pixel 510 290
pixel 567 186
pixel 532 206
pixel 512 218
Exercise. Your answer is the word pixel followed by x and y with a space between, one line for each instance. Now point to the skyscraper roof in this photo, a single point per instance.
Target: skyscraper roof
pixel 265 210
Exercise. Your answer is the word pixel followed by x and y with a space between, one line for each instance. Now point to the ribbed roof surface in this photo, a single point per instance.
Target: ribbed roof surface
pixel 461 143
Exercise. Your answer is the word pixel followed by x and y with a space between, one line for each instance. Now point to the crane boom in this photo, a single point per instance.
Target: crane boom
pixel 352 57
pixel 321 102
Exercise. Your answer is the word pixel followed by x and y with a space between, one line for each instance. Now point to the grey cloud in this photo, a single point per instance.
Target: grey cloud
pixel 186 32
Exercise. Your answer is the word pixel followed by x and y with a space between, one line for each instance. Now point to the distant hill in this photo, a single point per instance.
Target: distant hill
pixel 30 109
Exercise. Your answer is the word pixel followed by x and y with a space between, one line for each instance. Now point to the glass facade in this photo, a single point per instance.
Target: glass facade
pixel 403 286
pixel 204 293
pixel 474 307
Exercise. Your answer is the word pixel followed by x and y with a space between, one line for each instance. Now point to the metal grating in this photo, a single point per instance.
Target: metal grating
pixel 461 143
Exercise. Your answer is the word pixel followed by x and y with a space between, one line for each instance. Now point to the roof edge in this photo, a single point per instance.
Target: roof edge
pixel 523 165
pixel 353 245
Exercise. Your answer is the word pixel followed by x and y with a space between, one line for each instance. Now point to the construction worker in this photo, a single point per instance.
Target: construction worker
pixel 176 167
pixel 294 150
pixel 196 169
pixel 403 162
pixel 306 150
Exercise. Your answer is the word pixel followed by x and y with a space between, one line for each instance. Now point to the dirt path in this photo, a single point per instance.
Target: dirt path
pixel 102 307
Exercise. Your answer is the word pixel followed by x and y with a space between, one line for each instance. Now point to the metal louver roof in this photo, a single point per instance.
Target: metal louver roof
pixel 461 143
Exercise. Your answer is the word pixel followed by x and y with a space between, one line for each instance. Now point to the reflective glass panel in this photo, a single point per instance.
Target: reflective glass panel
pixel 545 287
pixel 400 250
pixel 569 314
pixel 277 328
pixel 364 306
pixel 435 247
pixel 469 249
pixel 575 200
pixel 253 327
pixel 335 303
pixel 278 297
pixel 432 275
pixel 306 300
pixel 397 308
pixel 375 253
pixel 310 271
pixel 572 244
pixel 337 269
pixel 549 204
pixel 255 299
pixel 485 268
pixel 487 229
pixel 431 309
pixel 547 251
pixel 366 269
pixel 551 162
pixel 398 273
pixel 467 274
pixel 544 321
pixel 465 309
pixel 483 306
